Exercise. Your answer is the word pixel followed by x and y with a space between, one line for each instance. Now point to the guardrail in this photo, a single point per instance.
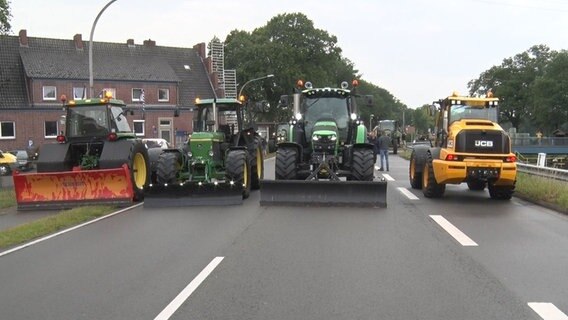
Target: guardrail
pixel 546 172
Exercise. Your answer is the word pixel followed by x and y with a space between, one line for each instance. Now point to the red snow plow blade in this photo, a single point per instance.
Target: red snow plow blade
pixel 61 190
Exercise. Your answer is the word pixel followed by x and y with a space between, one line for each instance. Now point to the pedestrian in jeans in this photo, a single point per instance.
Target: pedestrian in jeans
pixel 383 141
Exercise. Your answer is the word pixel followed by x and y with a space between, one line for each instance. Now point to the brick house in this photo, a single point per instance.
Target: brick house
pixel 153 80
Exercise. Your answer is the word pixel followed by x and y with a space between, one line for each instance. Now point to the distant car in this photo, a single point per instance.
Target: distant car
pixel 25 163
pixel 8 163
pixel 156 143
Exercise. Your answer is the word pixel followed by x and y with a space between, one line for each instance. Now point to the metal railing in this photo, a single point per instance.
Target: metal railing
pixel 545 172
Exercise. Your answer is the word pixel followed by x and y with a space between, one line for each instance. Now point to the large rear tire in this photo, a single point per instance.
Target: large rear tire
pixel 167 168
pixel 286 166
pixel 139 166
pixel 500 192
pixel 415 177
pixel 238 170
pixel 363 165
pixel 430 187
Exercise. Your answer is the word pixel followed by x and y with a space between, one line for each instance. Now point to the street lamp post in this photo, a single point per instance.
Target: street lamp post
pixel 251 80
pixel 91 90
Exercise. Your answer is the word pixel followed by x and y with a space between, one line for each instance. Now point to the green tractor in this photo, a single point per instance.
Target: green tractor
pixel 279 135
pixel 219 164
pixel 327 159
pixel 392 129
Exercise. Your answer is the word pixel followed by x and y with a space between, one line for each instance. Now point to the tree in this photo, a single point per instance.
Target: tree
pixel 5 16
pixel 513 82
pixel 550 95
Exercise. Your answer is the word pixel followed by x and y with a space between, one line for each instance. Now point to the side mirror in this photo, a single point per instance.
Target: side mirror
pixel 262 106
pixel 176 112
pixel 210 122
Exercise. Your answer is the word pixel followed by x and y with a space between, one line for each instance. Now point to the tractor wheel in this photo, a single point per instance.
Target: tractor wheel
pixel 238 170
pixel 476 185
pixel 363 165
pixel 415 177
pixel 500 192
pixel 167 168
pixel 286 168
pixel 430 187
pixel 257 166
pixel 139 169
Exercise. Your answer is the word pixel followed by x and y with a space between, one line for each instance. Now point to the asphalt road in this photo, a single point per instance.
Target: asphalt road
pixel 252 262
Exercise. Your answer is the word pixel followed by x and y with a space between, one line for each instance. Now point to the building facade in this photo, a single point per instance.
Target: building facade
pixel 154 81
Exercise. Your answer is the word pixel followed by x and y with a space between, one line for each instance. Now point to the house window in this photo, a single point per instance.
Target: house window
pixel 137 95
pixel 49 93
pixel 79 93
pixel 139 127
pixel 7 130
pixel 50 129
pixel 163 95
pixel 112 92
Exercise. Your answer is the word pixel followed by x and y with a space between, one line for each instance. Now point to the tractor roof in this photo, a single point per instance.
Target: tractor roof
pixel 200 102
pixel 96 102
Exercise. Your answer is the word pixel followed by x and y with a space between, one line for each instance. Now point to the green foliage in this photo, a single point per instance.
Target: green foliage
pixel 528 88
pixel 291 48
pixel 543 190
pixel 5 16
pixel 44 226
pixel 7 198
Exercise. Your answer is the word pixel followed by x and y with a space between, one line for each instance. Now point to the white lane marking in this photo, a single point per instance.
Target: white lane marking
pixel 388 177
pixel 453 231
pixel 67 230
pixel 187 291
pixel 548 311
pixel 407 193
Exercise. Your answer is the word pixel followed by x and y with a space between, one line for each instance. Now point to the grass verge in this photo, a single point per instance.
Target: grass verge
pixel 7 198
pixel 44 226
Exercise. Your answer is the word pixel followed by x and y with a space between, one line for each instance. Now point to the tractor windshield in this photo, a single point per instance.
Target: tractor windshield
pixel 226 119
pixel 459 112
pixel 327 108
pixel 87 121
pixel 120 123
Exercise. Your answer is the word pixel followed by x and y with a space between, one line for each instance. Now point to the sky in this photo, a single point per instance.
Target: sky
pixel 418 50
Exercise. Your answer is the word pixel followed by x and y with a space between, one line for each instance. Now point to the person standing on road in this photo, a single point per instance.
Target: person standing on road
pixel 383 141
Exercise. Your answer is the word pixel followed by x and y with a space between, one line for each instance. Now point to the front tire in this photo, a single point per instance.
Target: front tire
pixel 286 168
pixel 238 170
pixel 167 168
pixel 415 177
pixel 257 165
pixel 138 164
pixel 363 165
pixel 430 187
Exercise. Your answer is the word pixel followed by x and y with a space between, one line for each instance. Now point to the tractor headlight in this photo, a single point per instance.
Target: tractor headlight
pixel 298 116
pixel 315 137
pixel 211 153
pixel 333 137
pixel 189 154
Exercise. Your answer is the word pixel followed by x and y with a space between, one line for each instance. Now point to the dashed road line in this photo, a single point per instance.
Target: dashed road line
pixel 388 177
pixel 67 230
pixel 407 193
pixel 461 237
pixel 547 311
pixel 188 290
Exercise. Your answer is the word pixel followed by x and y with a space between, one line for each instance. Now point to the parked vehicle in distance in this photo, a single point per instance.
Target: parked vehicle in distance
pixel 8 163
pixel 157 143
pixel 23 159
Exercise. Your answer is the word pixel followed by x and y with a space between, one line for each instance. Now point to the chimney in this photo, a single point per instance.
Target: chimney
pixel 130 43
pixel 150 43
pixel 200 48
pixel 78 39
pixel 23 38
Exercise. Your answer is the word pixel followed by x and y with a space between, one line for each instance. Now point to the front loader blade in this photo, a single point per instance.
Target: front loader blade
pixel 192 194
pixel 323 193
pixel 68 189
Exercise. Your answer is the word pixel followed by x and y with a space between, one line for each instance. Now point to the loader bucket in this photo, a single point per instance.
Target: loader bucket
pixel 323 193
pixel 67 189
pixel 192 194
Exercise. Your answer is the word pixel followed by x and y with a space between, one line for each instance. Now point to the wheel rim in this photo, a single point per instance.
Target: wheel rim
pixel 258 163
pixel 425 174
pixel 245 176
pixel 139 171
